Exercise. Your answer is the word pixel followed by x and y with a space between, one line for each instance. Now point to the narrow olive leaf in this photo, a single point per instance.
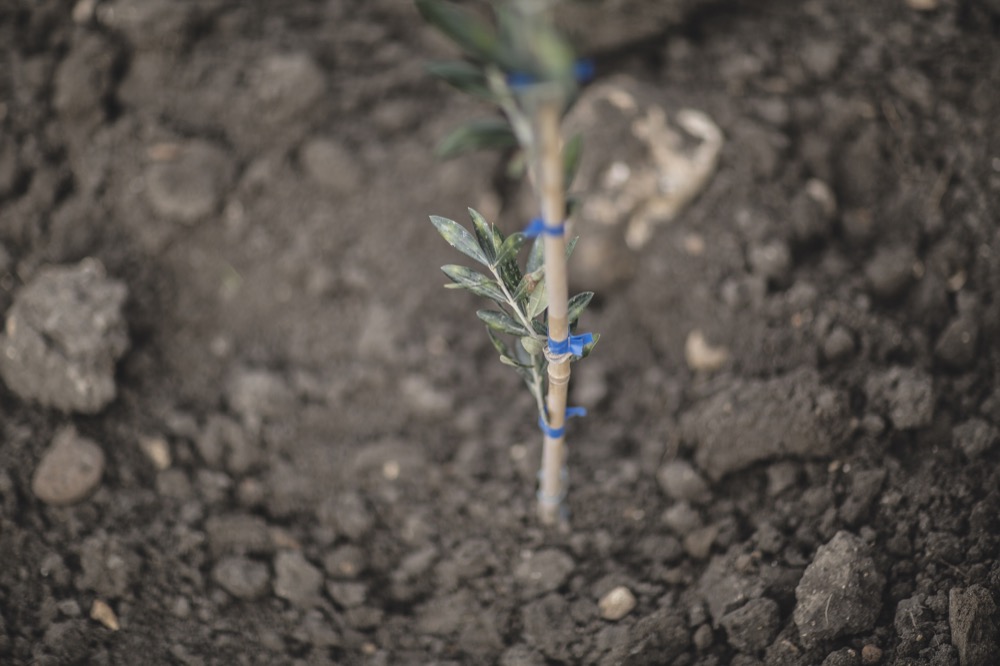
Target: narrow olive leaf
pixel 507 360
pixel 538 300
pixel 459 238
pixel 570 246
pixel 472 34
pixel 501 322
pixel 464 76
pixel 537 256
pixel 485 134
pixel 553 53
pixel 572 152
pixel 531 345
pixel 577 305
pixel 528 284
pixel 485 236
pixel 590 347
pixel 498 343
pixel 477 283
pixel 511 245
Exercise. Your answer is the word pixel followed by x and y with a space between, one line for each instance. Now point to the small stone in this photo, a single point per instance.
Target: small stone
pixel 972 616
pixel 890 272
pixel 907 394
pixel 842 657
pixel 838 345
pixel 923 5
pixel 703 637
pixel 871 654
pixel 681 481
pixel 296 579
pixel 63 335
pixel 956 346
pixel 617 603
pixel 190 185
pixel 237 534
pixel 157 450
pixel 682 519
pixel 256 395
pixel 840 592
pixel 347 594
pixel 241 577
pixel 286 85
pixel 772 261
pixel 753 626
pixel 345 562
pixel 701 356
pixel 975 437
pixel 70 469
pixel 543 572
pixel 698 544
pixel 102 612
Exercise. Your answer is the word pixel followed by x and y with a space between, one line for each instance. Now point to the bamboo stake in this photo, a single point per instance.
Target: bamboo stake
pixel 551 190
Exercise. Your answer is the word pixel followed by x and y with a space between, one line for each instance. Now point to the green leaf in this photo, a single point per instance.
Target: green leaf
pixel 537 256
pixel 501 322
pixel 538 301
pixel 468 31
pixel 477 283
pixel 532 345
pixel 459 238
pixel 507 360
pixel 498 343
pixel 511 245
pixel 488 133
pixel 509 270
pixel 464 76
pixel 528 284
pixel 570 246
pixel 577 305
pixel 485 236
pixel 571 159
pixel 589 348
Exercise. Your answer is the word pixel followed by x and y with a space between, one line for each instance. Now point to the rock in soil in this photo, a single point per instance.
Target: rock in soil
pixel 296 579
pixel 972 615
pixel 751 421
pixel 70 469
pixel 956 346
pixel 617 603
pixel 241 577
pixel 753 626
pixel 543 572
pixel 63 335
pixel 681 481
pixel 907 394
pixel 974 437
pixel 840 593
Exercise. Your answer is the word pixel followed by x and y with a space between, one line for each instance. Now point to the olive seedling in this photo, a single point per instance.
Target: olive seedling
pixel 522 65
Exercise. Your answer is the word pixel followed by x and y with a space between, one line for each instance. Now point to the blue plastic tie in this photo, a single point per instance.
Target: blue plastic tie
pixel 574 344
pixel 583 71
pixel 537 227
pixel 556 433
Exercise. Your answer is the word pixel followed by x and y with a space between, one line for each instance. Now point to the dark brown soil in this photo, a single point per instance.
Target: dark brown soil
pixel 351 474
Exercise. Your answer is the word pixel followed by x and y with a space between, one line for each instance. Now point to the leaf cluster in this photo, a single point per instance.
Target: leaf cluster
pixel 519 294
pixel 506 62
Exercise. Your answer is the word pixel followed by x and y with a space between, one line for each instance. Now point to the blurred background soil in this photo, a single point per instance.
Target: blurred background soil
pixel 241 422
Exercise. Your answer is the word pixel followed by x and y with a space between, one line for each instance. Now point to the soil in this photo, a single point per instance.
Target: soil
pixel 307 452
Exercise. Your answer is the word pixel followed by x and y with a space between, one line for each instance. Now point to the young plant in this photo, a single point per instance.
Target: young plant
pixel 524 67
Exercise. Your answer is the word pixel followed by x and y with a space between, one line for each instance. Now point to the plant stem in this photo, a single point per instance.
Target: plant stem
pixel 550 185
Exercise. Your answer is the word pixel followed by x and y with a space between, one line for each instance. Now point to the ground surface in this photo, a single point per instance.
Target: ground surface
pixel 312 455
